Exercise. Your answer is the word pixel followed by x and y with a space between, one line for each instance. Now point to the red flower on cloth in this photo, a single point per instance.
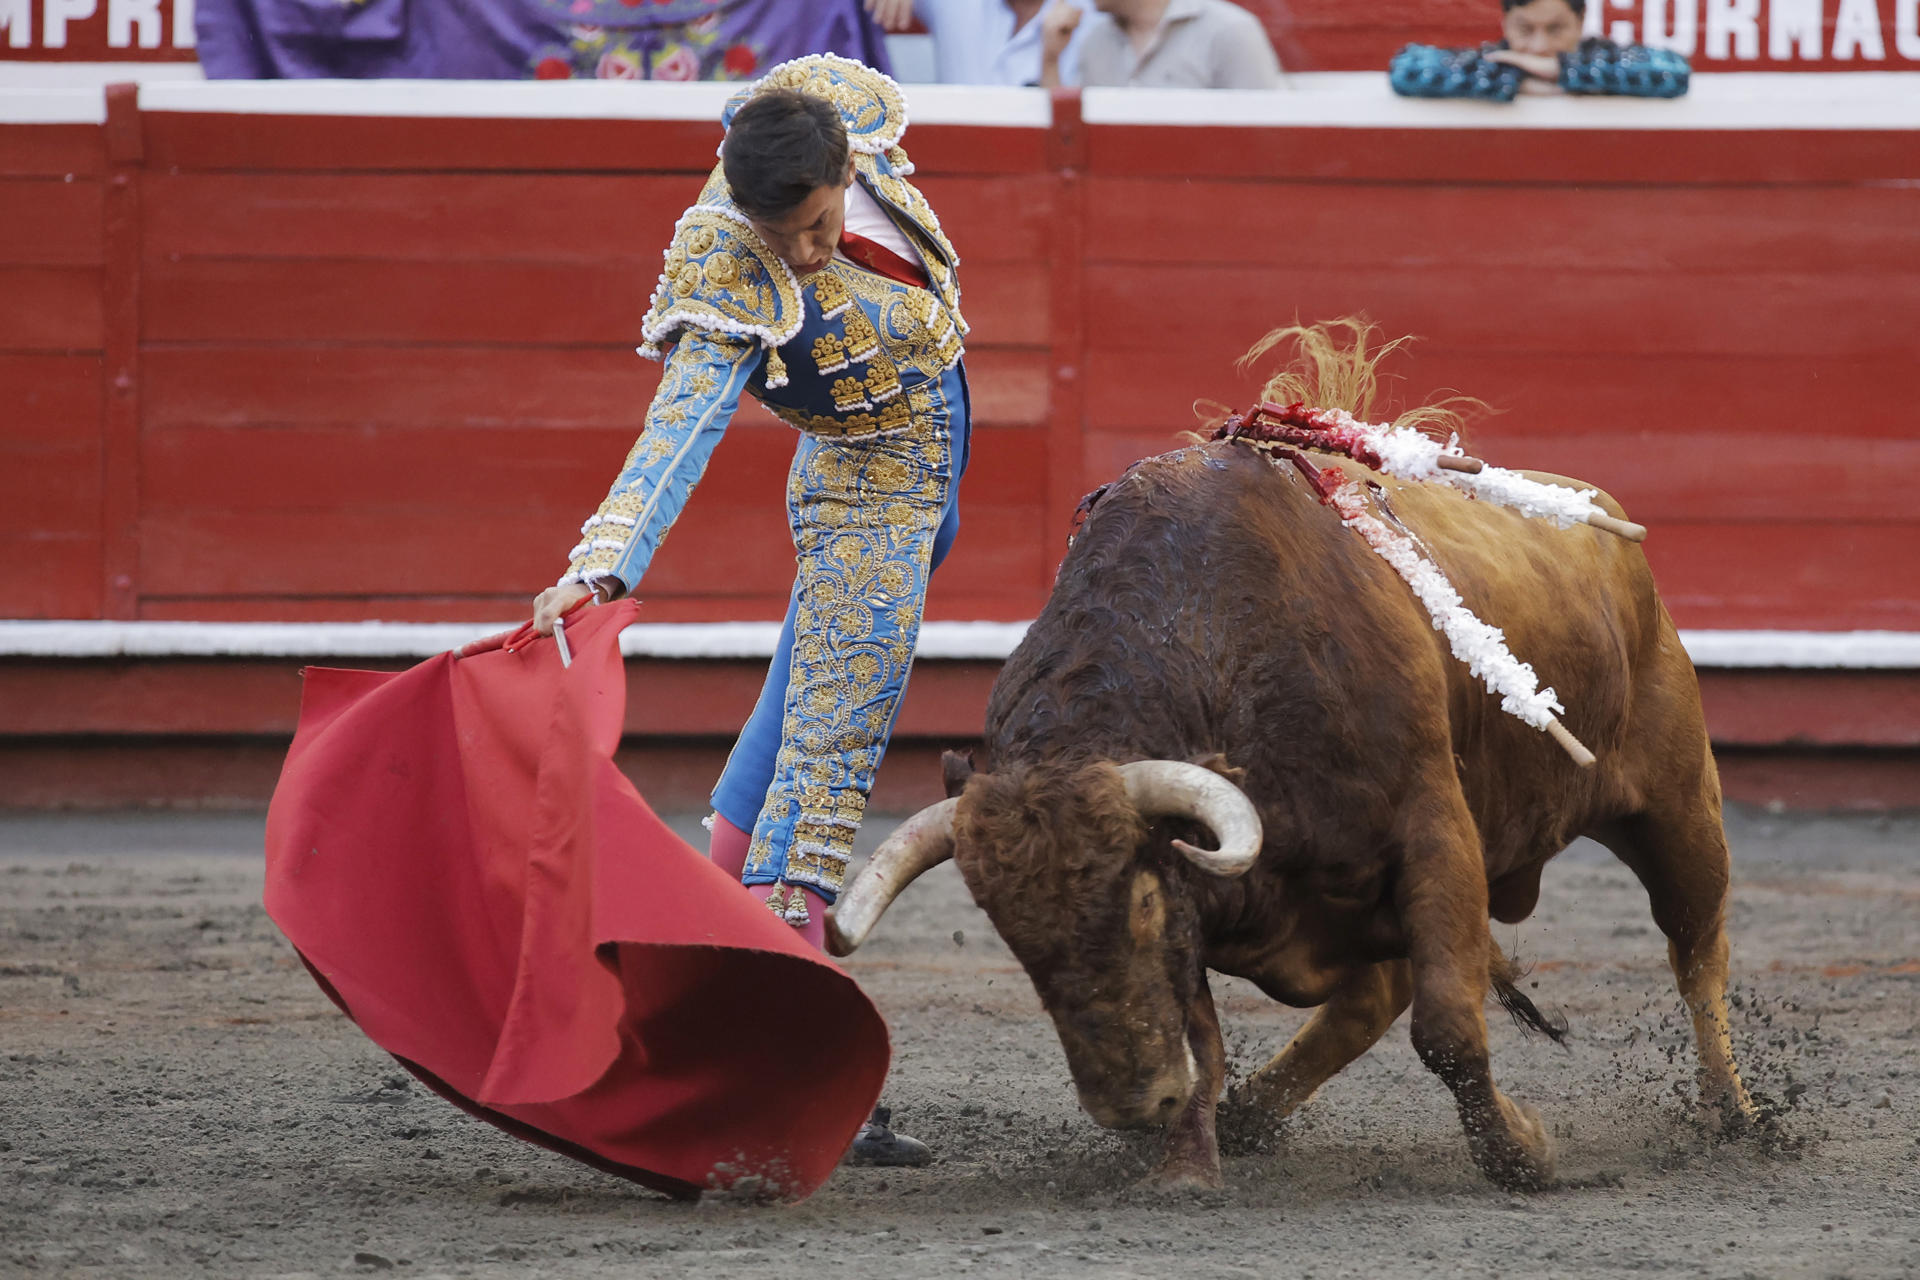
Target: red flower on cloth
pixel 553 68
pixel 619 64
pixel 677 63
pixel 741 61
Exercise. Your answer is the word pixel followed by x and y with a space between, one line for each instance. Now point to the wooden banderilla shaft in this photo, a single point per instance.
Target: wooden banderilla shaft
pixel 1619 528
pixel 1572 745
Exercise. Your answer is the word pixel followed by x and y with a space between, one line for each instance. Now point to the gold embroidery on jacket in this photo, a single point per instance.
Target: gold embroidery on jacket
pixel 830 291
pixel 850 394
pixel 829 353
pixel 862 341
pixel 719 277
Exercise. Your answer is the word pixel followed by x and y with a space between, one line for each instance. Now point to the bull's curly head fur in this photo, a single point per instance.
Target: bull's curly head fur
pixel 1097 910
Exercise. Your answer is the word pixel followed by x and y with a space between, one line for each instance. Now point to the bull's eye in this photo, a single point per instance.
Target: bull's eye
pixel 1148 918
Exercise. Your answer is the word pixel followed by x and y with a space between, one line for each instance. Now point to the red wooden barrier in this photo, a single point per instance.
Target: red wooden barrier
pixel 52 337
pixel 305 366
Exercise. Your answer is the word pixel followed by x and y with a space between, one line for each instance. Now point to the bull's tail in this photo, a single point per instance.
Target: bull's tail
pixel 1505 972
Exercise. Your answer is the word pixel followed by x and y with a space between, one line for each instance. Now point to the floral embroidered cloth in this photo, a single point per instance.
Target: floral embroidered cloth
pixel 512 39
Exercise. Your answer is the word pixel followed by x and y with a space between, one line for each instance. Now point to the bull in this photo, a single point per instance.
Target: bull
pixel 1233 741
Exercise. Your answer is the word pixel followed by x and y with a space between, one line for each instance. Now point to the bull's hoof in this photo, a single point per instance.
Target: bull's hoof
pixel 1175 1179
pixel 1517 1155
pixel 1729 1114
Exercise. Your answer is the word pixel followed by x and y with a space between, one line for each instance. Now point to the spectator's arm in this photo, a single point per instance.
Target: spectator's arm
pixel 891 15
pixel 1244 59
pixel 1060 25
pixel 1636 71
pixel 1423 71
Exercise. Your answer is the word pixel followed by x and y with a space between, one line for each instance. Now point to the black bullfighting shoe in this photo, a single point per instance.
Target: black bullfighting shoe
pixel 879 1145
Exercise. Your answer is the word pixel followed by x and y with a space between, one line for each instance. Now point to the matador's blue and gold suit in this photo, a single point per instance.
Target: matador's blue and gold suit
pixel 868 370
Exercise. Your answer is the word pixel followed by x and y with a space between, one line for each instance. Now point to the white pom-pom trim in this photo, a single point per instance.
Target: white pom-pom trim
pixel 1481 646
pixel 1409 455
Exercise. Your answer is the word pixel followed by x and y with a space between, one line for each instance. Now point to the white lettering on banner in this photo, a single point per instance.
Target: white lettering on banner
pixel 1857 29
pixel 57 14
pixel 1906 28
pixel 183 30
pixel 17 17
pixel 1622 32
pixel 1686 26
pixel 1791 21
pixel 1736 23
pixel 124 15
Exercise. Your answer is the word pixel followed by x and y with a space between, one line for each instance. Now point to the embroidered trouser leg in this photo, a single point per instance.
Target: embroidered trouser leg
pixel 742 790
pixel 870 519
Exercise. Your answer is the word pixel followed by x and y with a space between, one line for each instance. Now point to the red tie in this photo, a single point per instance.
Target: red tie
pixel 881 260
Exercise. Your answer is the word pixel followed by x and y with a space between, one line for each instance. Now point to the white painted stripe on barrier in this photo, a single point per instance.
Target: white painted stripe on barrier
pixel 1812 650
pixel 1362 100
pixel 52 106
pixel 92 75
pixel 948 641
pixel 1875 100
pixel 553 100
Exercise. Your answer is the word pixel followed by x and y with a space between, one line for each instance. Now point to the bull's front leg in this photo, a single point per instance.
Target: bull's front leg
pixel 1356 1015
pixel 1190 1157
pixel 1443 906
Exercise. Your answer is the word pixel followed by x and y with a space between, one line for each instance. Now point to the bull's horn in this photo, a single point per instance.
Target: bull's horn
pixel 1174 787
pixel 919 844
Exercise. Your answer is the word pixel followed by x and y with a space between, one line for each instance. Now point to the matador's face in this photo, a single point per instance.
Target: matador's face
pixel 805 236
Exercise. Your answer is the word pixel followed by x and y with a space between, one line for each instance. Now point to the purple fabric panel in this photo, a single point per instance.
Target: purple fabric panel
pixel 513 39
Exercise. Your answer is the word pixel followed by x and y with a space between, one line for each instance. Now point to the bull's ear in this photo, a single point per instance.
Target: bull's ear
pixel 955 768
pixel 1218 763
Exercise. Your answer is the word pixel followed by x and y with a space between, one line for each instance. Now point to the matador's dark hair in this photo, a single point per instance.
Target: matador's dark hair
pixel 1579 7
pixel 779 148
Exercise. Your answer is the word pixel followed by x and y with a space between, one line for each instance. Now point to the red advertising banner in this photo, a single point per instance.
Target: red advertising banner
pixel 1771 35
pixel 96 31
pixel 1717 35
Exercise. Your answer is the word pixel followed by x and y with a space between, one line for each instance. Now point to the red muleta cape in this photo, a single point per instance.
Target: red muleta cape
pixel 467 874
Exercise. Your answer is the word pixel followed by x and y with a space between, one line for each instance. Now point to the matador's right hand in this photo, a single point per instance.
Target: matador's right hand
pixel 553 603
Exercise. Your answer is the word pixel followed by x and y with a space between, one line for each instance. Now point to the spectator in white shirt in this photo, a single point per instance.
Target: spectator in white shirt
pixel 984 41
pixel 1166 44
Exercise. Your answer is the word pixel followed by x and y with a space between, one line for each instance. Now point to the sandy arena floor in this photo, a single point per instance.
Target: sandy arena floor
pixel 177 1098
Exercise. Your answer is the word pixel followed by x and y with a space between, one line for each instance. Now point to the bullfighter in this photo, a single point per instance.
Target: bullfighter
pixel 812 274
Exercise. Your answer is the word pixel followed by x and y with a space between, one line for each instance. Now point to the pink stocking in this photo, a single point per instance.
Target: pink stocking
pixel 815 929
pixel 728 851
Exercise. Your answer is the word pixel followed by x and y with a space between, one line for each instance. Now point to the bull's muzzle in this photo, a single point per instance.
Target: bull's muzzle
pixel 1152 1105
